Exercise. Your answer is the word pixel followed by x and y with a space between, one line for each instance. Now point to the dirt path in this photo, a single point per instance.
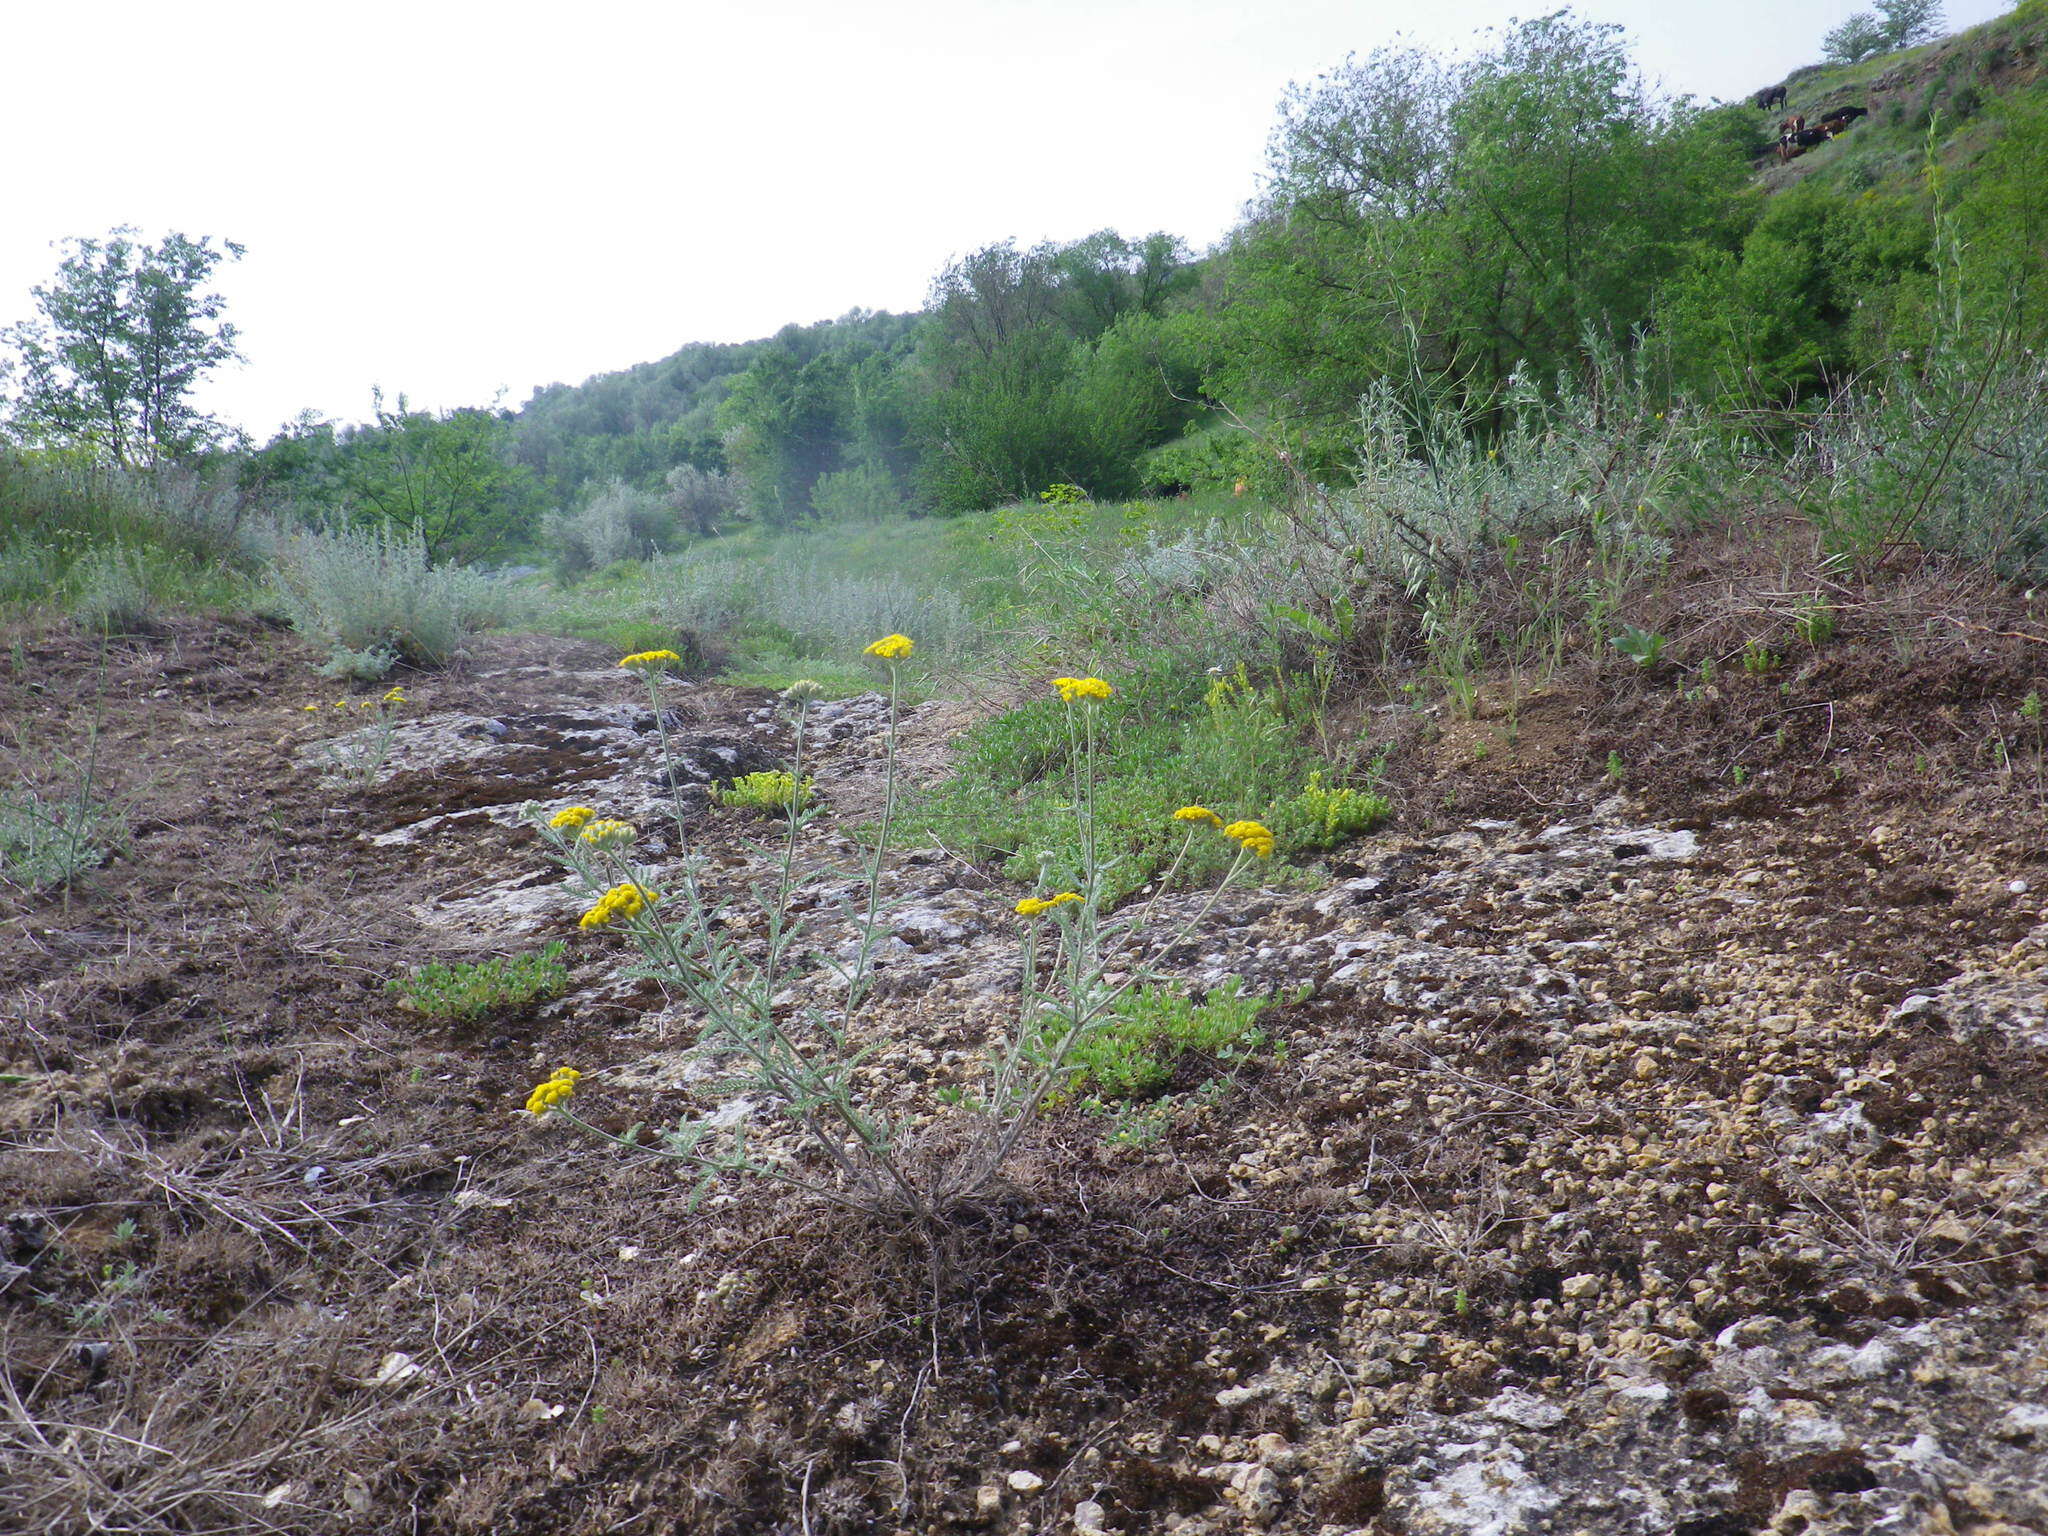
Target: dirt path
pixel 1649 1157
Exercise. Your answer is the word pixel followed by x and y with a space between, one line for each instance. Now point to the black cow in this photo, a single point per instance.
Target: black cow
pixel 1842 117
pixel 1770 96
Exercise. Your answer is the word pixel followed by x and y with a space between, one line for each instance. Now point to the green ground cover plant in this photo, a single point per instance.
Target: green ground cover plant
pixel 771 790
pixel 469 990
pixel 1136 1052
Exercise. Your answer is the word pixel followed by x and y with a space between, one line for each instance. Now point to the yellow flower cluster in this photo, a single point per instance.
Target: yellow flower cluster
pixel 556 1090
pixel 1198 813
pixel 1033 906
pixel 570 819
pixel 891 647
pixel 1255 838
pixel 650 661
pixel 607 834
pixel 1072 688
pixel 393 696
pixel 628 900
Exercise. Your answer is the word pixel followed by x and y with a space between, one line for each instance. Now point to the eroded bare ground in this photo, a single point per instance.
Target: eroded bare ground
pixel 1661 1155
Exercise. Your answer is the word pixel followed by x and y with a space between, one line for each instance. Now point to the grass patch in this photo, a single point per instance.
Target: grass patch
pixel 475 989
pixel 1169 737
pixel 115 547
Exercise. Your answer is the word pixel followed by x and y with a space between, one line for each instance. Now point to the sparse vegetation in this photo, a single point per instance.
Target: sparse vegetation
pixel 1566 589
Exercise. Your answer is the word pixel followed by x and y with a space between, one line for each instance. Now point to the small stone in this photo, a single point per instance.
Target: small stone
pixel 1525 1409
pixel 1022 1481
pixel 1578 1287
pixel 1237 1397
pixel 1088 1519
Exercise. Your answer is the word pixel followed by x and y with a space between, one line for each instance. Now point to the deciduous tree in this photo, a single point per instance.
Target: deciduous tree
pixel 121 337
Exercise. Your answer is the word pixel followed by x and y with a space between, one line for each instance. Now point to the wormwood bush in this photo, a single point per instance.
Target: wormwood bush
pixel 113 592
pixel 803 1061
pixel 125 541
pixel 1952 457
pixel 826 609
pixel 49 836
pixel 1579 486
pixel 713 596
pixel 469 990
pixel 373 597
pixel 805 605
pixel 618 523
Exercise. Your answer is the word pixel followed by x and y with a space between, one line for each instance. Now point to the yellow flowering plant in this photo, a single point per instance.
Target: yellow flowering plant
pixel 690 949
pixel 1082 689
pixel 606 834
pixel 555 1092
pixel 799 1057
pixel 357 758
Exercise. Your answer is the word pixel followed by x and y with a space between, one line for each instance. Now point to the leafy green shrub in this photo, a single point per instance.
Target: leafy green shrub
pixel 1170 737
pixel 1642 646
pixel 863 494
pixel 370 592
pixel 475 989
pixel 1135 1052
pixel 773 790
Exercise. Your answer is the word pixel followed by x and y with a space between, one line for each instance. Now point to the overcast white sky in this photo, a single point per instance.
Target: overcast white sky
pixel 452 198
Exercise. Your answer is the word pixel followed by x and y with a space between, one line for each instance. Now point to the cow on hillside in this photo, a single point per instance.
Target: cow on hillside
pixel 1770 96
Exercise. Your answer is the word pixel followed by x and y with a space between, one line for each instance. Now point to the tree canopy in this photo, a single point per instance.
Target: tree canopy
pixel 121 337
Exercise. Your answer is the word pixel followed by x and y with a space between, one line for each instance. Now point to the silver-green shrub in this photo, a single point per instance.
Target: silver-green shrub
pixel 618 523
pixel 112 592
pixel 716 596
pixel 818 609
pixel 363 592
pixel 1952 456
pixel 830 611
